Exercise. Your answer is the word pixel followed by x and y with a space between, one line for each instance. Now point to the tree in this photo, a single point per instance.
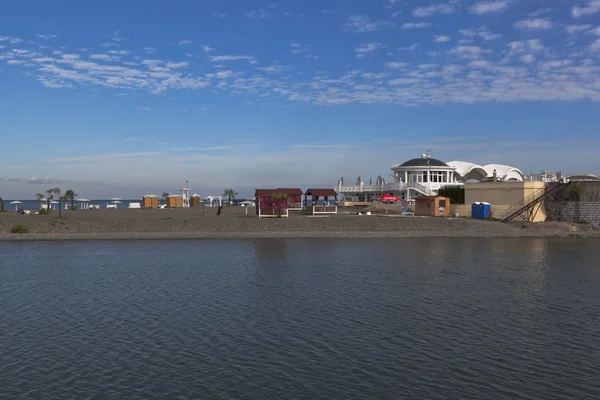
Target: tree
pixel 230 193
pixel 70 195
pixel 1 204
pixel 60 198
pixel 48 196
pixel 164 197
pixel 279 198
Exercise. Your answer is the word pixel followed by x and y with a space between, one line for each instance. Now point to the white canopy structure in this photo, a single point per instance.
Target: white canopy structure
pixel 16 203
pixel 469 171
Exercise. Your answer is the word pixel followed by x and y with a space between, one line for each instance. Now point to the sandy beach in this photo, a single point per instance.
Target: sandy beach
pixel 191 223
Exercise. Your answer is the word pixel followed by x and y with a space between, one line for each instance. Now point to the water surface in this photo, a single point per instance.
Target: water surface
pixel 299 319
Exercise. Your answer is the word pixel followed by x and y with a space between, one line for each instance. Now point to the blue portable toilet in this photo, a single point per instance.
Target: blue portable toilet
pixel 476 210
pixel 480 210
pixel 485 210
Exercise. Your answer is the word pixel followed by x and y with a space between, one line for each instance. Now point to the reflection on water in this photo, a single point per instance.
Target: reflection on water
pixel 304 319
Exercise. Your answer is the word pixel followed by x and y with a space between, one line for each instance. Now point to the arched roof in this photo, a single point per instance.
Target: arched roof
pixel 470 171
pixel 504 172
pixel 424 162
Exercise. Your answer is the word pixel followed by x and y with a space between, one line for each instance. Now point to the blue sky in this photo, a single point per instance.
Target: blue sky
pixel 124 97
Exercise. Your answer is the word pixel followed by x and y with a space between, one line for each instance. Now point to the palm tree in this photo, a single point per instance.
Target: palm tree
pixel 230 193
pixel 279 197
pixel 59 197
pixel 70 195
pixel 48 196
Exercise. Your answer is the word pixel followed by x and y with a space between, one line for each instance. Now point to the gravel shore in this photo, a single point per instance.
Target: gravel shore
pixel 144 224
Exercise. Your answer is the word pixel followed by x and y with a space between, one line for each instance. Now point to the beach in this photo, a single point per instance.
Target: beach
pixel 201 223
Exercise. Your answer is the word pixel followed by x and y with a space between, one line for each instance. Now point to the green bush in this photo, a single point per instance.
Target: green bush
pixel 19 229
pixel 455 193
pixel 45 211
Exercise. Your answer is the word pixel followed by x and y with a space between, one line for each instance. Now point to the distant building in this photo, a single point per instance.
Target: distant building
pixel 426 176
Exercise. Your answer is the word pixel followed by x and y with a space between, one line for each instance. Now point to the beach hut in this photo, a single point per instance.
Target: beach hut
pixel 319 201
pixel 267 204
pixel 196 201
pixel 294 198
pixel 150 201
pixel 175 201
pixel 432 206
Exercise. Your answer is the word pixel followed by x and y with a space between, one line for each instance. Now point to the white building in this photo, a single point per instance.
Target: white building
pixel 425 176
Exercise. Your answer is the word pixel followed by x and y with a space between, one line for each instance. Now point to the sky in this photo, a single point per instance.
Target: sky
pixel 123 98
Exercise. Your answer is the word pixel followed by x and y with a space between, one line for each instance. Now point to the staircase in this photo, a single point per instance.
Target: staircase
pixel 527 208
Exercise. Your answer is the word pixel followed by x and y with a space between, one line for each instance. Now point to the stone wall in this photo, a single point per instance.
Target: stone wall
pixel 581 212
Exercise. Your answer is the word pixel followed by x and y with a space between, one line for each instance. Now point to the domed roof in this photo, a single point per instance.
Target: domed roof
pixel 424 162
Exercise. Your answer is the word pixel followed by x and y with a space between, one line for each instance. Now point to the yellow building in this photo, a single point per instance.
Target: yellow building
pixel 503 195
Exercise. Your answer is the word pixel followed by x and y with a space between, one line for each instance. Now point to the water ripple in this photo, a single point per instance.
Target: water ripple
pixel 301 319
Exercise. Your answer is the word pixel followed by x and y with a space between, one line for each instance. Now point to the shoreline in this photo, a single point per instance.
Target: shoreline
pixel 198 224
pixel 136 236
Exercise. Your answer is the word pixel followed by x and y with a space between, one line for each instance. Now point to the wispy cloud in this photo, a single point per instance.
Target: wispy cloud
pixel 414 25
pixel 441 8
pixel 185 42
pixel 534 24
pixel 486 7
pixel 46 37
pixel 442 39
pixel 364 49
pixel 591 7
pixel 362 23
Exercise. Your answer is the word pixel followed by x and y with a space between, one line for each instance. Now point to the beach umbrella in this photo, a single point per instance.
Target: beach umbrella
pixel 117 202
pixel 388 197
pixel 16 203
pixel 115 199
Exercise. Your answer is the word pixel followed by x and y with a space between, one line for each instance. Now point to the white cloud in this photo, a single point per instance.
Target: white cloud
pixel 528 58
pixel 208 49
pixel 362 23
pixel 46 37
pixel 534 24
pixel 272 69
pixel 433 9
pixel 185 42
pixel 595 31
pixel 149 50
pixel 104 57
pixel 592 7
pixel 396 65
pixel 230 58
pixel 412 47
pixel 486 7
pixel 414 25
pixel 363 49
pixel 442 39
pixel 176 65
pixel 596 45
pixel 14 62
pixel 577 28
pixel 468 51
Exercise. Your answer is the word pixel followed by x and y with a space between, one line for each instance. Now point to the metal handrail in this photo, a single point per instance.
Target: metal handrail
pixel 522 203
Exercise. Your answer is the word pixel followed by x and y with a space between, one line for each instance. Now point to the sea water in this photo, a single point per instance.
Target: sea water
pixel 301 319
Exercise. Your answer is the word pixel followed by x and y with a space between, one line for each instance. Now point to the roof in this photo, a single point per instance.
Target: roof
pixel 424 162
pixel 321 192
pixel 290 191
pixel 429 197
pixel 150 195
pixel 469 171
pixel 264 192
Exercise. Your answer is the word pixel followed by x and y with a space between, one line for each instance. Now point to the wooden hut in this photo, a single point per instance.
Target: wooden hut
pixel 268 206
pixel 150 201
pixel 294 198
pixel 195 200
pixel 432 206
pixel 175 201
pixel 312 198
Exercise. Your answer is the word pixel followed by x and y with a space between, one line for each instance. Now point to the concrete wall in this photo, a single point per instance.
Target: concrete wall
pixel 561 206
pixel 502 195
